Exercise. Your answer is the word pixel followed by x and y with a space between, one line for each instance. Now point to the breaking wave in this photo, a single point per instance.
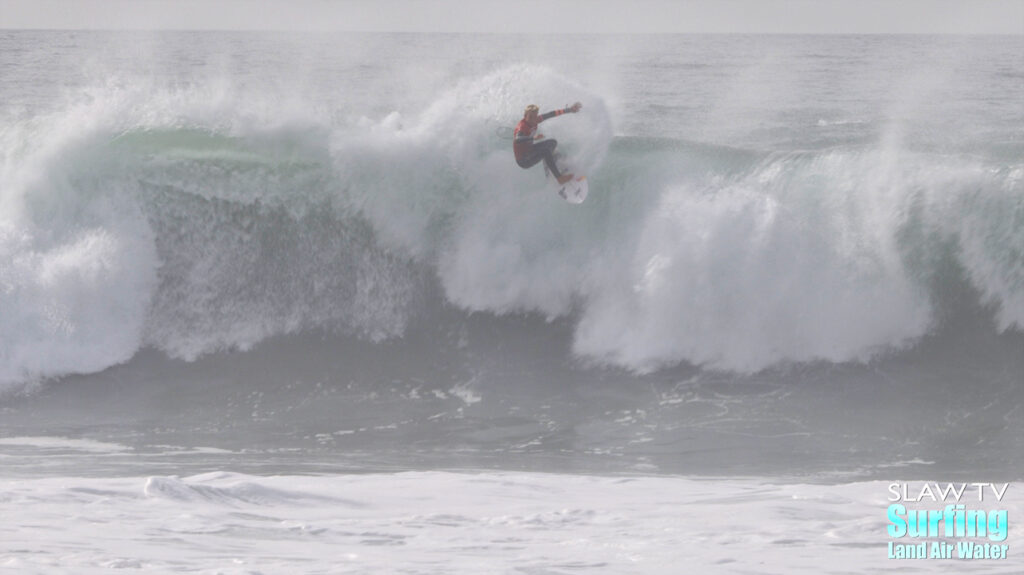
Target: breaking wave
pixel 145 217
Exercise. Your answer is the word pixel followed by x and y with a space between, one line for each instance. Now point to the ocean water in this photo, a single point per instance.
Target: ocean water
pixel 280 303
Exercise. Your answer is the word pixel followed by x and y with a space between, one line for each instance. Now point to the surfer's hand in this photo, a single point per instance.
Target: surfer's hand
pixel 575 107
pixel 539 137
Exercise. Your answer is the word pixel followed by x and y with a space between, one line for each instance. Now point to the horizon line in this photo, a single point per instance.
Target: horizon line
pixel 517 33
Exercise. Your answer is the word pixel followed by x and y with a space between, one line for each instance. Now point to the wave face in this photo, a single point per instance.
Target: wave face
pixel 194 222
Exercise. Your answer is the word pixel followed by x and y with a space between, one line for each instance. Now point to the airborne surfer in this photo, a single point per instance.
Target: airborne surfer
pixel 527 151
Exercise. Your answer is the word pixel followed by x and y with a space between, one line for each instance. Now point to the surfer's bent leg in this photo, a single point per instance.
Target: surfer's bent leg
pixel 549 157
pixel 542 151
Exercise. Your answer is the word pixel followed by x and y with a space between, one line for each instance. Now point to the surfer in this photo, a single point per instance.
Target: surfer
pixel 528 152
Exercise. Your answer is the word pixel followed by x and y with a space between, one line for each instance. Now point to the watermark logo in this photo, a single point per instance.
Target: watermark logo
pixel 947 521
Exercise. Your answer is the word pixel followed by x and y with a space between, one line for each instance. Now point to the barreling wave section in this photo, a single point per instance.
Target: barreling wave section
pixel 195 223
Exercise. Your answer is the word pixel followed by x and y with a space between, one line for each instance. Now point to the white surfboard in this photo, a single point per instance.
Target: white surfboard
pixel 575 190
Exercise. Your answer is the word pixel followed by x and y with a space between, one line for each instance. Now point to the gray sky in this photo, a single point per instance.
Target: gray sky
pixel 638 16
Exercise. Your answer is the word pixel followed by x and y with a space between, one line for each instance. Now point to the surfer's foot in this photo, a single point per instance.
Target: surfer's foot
pixel 564 178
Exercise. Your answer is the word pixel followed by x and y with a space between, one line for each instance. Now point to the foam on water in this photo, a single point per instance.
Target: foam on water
pixel 467 523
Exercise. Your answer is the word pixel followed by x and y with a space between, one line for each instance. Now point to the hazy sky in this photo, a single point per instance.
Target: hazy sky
pixel 795 16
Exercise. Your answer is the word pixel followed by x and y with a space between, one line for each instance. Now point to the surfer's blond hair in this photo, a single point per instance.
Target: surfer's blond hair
pixel 530 108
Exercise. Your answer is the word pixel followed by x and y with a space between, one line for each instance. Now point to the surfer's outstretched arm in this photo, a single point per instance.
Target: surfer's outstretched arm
pixel 570 110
